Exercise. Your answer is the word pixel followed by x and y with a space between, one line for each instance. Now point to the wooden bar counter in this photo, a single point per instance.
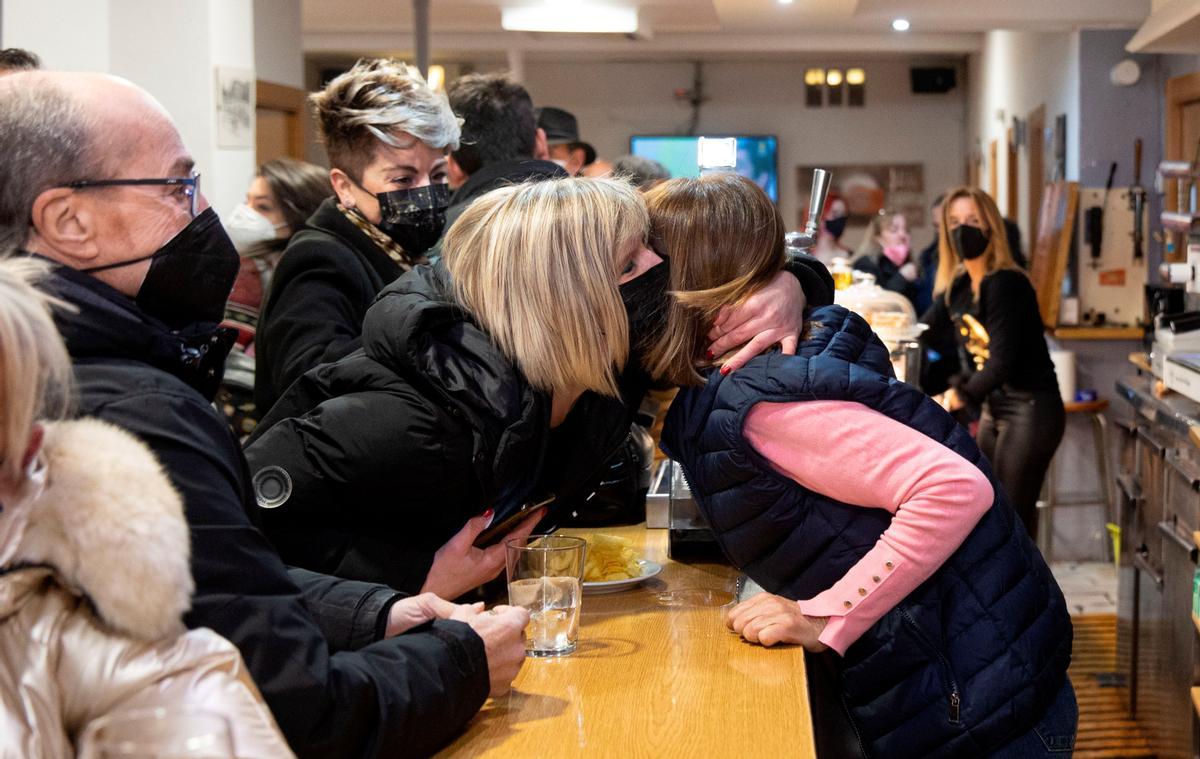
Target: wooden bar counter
pixel 656 674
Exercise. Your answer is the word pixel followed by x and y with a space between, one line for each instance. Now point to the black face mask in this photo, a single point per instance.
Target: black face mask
pixel 414 218
pixel 190 276
pixel 646 301
pixel 969 242
pixel 836 226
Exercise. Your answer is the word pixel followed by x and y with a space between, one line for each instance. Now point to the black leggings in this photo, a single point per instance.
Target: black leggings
pixel 1019 432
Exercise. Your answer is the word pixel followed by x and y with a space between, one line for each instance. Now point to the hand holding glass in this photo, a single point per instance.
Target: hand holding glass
pixel 544 576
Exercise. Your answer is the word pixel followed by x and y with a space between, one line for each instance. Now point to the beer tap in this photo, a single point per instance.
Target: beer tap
pixel 807 240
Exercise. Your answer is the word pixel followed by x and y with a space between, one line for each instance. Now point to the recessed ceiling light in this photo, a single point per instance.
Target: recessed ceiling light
pixel 786 2
pixel 900 25
pixel 570 17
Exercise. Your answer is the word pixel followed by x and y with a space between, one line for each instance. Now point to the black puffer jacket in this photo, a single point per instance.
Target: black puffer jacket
pixel 311 641
pixel 391 449
pixel 328 277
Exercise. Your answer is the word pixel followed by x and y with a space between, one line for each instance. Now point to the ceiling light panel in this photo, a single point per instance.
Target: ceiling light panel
pixel 570 16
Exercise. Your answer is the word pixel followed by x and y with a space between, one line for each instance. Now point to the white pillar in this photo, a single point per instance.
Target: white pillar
pixel 516 64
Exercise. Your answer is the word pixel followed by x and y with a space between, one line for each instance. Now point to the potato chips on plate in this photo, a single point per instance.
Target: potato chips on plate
pixel 611 565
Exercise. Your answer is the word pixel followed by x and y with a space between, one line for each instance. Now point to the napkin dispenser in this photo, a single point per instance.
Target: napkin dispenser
pixel 689 536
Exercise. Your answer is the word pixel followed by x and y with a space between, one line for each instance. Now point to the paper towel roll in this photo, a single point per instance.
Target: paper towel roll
pixel 1064 368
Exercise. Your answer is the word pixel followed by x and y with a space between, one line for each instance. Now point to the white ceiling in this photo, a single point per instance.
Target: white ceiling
pixel 687 27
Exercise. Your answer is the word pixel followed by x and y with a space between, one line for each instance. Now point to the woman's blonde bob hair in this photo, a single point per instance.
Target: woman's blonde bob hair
pixel 997 256
pixel 724 238
pixel 537 265
pixel 35 370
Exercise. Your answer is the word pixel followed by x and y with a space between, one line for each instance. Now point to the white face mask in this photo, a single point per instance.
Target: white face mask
pixel 249 228
pixel 14 514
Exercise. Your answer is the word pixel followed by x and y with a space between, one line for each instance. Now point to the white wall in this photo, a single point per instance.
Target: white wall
pixel 171 49
pixel 278 53
pixel 615 100
pixel 80 45
pixel 1014 74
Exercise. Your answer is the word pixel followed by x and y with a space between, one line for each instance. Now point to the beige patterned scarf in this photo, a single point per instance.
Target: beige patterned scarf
pixel 385 243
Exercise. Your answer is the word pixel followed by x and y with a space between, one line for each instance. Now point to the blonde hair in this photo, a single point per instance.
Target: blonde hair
pixel 724 238
pixel 997 256
pixel 870 245
pixel 35 370
pixel 536 264
pixel 379 99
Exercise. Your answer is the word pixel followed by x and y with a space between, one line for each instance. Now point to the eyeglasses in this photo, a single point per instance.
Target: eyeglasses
pixel 189 185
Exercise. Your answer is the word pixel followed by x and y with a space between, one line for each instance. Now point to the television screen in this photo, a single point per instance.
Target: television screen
pixel 756 157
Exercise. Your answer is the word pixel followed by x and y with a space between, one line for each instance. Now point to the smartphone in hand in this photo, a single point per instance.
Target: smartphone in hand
pixel 501 527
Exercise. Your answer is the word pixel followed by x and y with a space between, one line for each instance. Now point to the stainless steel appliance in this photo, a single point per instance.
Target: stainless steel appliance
pixel 1158 649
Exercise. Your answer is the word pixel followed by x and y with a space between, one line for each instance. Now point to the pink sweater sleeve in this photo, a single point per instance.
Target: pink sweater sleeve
pixel 853 454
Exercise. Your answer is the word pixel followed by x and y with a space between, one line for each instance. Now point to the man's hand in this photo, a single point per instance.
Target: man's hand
pixel 774 314
pixel 503 631
pixel 767 619
pixel 413 611
pixel 458 566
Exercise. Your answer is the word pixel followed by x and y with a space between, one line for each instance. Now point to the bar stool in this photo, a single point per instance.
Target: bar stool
pixel 1051 498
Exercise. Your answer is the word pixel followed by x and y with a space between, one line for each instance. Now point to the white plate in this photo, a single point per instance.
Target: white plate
pixel 649 569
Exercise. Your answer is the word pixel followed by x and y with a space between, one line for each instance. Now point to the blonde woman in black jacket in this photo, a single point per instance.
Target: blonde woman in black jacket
pixel 992 308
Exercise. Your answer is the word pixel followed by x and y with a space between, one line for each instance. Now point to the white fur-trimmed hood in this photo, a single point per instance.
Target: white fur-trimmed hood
pixel 112 527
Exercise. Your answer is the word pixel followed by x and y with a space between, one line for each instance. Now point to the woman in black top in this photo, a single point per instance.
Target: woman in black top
pixel 994 313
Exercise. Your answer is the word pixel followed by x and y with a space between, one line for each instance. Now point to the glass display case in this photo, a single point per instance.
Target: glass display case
pixel 893 318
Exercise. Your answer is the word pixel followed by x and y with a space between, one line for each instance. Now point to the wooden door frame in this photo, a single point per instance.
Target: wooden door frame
pixel 279 97
pixel 994 174
pixel 1180 90
pixel 1035 155
pixel 1012 211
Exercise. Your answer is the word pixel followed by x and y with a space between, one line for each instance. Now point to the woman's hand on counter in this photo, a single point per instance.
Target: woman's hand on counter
pixel 458 566
pixel 768 619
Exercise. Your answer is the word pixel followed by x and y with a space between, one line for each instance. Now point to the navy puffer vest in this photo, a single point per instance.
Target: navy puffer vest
pixel 969 660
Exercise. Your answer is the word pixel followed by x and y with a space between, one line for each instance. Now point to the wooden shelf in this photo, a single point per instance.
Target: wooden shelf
pixel 1196 700
pixel 1141 361
pixel 1099 333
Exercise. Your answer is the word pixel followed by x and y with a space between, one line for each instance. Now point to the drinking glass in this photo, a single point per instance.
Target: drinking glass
pixel 159 734
pixel 544 576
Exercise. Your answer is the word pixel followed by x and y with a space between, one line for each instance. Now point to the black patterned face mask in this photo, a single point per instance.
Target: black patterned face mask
pixel 416 217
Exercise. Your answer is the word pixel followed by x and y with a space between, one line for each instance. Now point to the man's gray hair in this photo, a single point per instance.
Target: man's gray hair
pixel 642 173
pixel 47 140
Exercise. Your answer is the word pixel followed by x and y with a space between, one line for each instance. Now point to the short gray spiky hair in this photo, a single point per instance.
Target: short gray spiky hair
pixel 48 140
pixel 379 99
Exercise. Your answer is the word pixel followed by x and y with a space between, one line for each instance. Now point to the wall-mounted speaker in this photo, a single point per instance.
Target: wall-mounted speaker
pixel 935 80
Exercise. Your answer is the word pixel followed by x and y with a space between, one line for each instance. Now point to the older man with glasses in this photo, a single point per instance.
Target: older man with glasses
pixel 97 180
